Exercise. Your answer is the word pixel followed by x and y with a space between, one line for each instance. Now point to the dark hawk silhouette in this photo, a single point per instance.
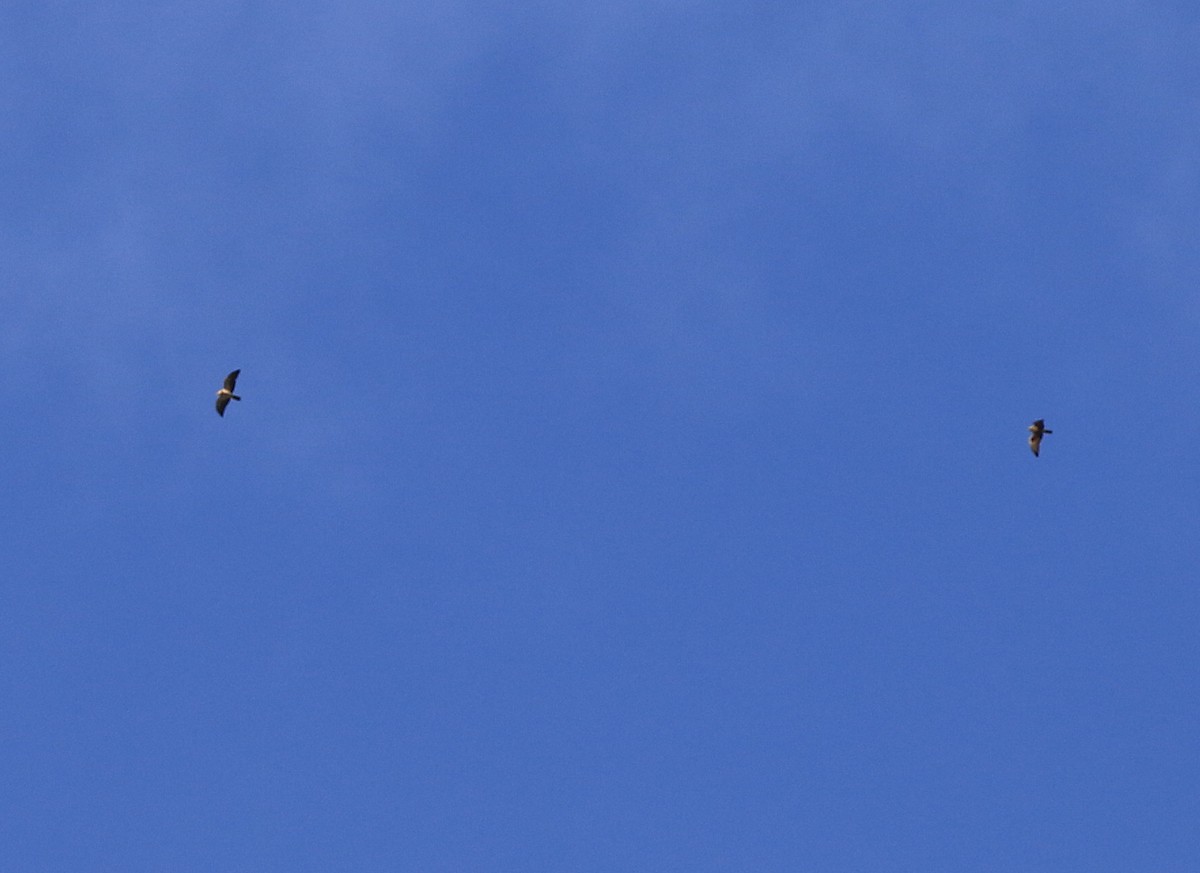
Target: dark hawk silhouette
pixel 1036 431
pixel 226 393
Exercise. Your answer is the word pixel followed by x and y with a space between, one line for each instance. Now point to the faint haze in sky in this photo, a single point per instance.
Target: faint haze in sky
pixel 632 467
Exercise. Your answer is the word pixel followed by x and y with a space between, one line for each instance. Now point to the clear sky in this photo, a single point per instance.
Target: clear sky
pixel 632 471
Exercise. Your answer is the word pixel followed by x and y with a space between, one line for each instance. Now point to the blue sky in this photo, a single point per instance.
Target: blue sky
pixel 631 473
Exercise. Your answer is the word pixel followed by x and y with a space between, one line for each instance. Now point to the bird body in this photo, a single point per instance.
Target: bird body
pixel 1036 431
pixel 226 393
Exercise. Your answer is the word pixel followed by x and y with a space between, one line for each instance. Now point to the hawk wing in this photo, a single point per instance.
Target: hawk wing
pixel 231 380
pixel 1035 443
pixel 222 402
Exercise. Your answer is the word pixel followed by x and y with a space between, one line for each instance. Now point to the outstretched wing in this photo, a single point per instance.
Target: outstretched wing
pixel 231 380
pixel 1035 443
pixel 222 402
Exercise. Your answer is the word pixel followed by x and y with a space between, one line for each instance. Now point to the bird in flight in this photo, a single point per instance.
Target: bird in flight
pixel 1036 430
pixel 226 393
